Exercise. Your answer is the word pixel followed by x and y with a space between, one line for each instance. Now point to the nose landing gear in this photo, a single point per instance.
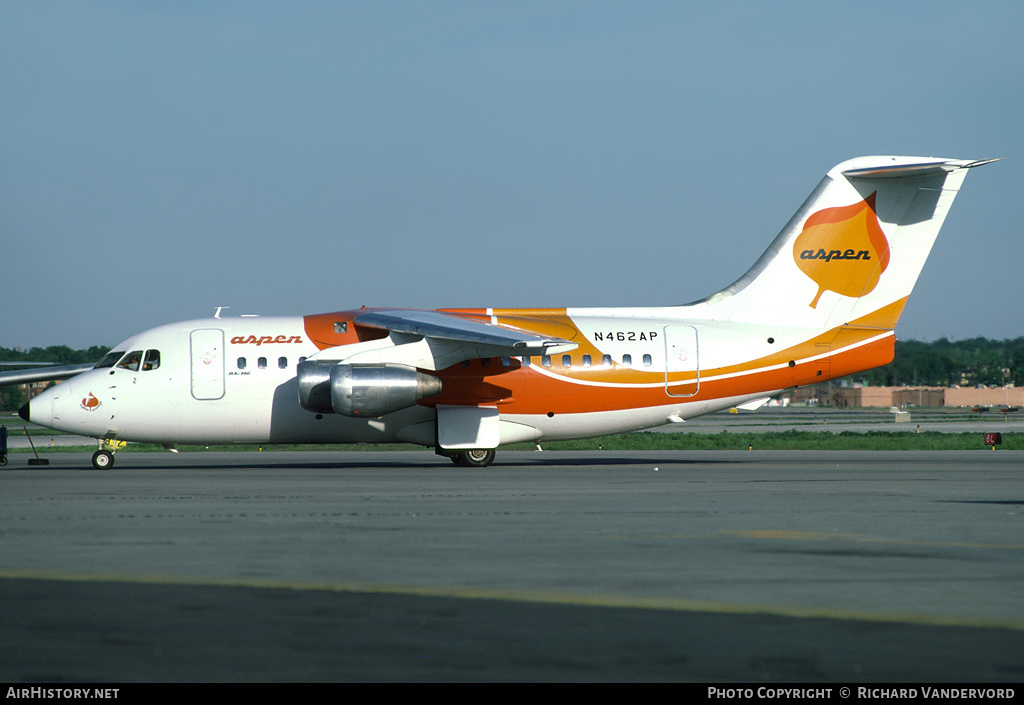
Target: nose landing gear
pixel 103 459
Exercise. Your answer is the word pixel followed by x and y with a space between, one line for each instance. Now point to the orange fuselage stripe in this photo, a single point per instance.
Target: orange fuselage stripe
pixel 528 389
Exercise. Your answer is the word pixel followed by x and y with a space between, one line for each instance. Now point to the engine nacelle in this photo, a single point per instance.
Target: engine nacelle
pixel 362 391
pixel 314 379
pixel 368 391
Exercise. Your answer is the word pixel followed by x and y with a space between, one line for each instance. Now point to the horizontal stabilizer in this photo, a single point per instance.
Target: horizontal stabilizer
pixel 921 168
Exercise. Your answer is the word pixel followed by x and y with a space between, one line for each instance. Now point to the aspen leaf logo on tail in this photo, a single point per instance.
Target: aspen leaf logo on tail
pixel 843 249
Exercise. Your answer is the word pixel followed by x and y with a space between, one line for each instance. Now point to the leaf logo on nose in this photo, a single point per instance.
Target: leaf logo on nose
pixel 843 249
pixel 90 403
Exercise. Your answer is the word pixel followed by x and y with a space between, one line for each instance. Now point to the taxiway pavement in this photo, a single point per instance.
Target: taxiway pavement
pixel 623 566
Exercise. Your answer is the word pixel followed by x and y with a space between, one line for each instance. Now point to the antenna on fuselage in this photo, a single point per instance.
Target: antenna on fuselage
pixel 216 313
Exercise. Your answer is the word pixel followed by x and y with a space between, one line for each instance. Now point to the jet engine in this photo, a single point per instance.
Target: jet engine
pixel 362 391
pixel 314 379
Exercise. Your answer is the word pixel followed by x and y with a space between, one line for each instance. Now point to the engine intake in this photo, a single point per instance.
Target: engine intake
pixel 314 379
pixel 362 391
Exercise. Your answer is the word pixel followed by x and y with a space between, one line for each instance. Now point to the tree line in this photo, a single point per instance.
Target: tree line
pixel 945 363
pixel 11 398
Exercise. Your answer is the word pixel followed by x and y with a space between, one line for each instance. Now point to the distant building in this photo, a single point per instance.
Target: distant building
pixel 985 396
pixel 843 397
pixel 33 389
pixel 921 396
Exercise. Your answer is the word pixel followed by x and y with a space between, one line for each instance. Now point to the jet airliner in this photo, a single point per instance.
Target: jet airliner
pixel 822 302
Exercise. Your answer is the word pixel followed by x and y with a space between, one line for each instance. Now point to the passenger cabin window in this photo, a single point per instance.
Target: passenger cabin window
pixel 627 360
pixel 566 360
pixel 241 363
pixel 647 360
pixel 282 363
pixel 586 360
pixel 262 363
pixel 606 361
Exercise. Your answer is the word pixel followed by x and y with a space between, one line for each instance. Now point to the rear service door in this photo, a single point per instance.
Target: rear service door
pixel 682 365
pixel 207 363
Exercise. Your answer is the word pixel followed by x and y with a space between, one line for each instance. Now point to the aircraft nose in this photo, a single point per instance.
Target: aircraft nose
pixel 39 409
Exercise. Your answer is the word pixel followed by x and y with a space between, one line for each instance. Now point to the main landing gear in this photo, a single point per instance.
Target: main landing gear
pixel 476 458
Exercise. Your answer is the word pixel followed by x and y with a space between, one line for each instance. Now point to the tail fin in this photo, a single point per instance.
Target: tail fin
pixel 855 248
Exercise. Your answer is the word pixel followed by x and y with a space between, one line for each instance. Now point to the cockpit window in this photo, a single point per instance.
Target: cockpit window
pixel 131 361
pixel 109 359
pixel 136 359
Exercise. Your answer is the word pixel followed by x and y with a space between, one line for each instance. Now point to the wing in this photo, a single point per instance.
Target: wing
pixel 434 340
pixel 443 326
pixel 44 374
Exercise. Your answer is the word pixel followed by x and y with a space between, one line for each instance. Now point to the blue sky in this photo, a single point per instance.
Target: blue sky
pixel 158 160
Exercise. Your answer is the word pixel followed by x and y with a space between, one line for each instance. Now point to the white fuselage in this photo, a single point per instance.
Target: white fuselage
pixel 233 380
